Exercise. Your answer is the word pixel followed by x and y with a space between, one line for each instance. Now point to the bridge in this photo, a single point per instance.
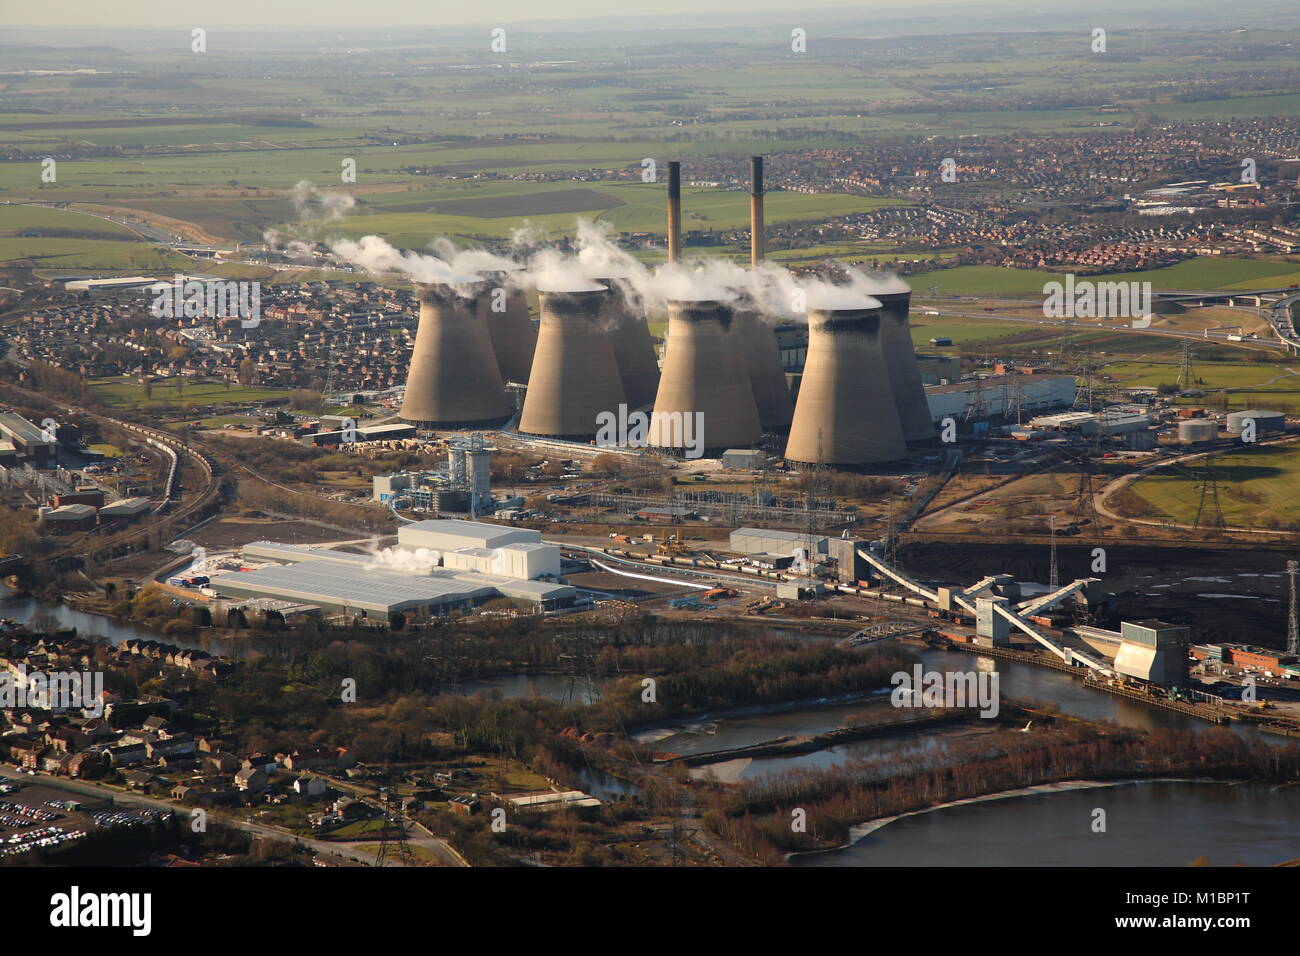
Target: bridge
pixel 883 631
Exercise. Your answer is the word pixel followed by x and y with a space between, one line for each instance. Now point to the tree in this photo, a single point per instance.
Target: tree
pixel 247 372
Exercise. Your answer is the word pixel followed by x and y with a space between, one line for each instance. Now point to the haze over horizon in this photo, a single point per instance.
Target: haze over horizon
pixel 311 15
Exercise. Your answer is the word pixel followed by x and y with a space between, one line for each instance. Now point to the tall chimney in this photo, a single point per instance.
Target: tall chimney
pixel 574 376
pixel 757 237
pixel 703 375
pixel 845 414
pixel 453 381
pixel 674 211
pixel 510 327
pixel 900 365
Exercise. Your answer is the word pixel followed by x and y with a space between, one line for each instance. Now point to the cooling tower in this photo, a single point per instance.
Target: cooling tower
pixel 757 236
pixel 701 374
pixel 845 414
pixel 757 343
pixel 574 376
pixel 634 350
pixel 674 211
pixel 453 380
pixel 513 336
pixel 900 365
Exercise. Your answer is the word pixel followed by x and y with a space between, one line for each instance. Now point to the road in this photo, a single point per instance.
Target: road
pixel 438 847
pixel 1123 481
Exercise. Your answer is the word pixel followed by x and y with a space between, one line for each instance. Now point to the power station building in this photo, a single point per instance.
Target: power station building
pixel 996 396
pixel 723 383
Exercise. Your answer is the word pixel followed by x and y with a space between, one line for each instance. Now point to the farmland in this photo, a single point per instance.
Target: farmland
pixel 124 393
pixel 1257 488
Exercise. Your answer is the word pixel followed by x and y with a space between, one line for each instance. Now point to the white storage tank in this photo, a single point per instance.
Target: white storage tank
pixel 1192 431
pixel 1265 421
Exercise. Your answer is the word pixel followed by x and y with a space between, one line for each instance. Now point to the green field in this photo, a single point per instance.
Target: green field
pixel 43 221
pixel 124 393
pixel 1256 488
pixel 498 209
pixel 1202 273
pixel 90 254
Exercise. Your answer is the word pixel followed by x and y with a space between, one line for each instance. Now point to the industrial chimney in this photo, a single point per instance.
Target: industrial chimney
pixel 756 341
pixel 845 414
pixel 634 349
pixel 701 374
pixel 900 365
pixel 674 211
pixel 505 312
pixel 757 236
pixel 574 376
pixel 453 381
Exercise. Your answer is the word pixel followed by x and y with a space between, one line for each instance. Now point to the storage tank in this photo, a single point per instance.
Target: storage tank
pixel 846 413
pixel 900 365
pixel 1265 421
pixel 453 381
pixel 1194 430
pixel 575 375
pixel 700 374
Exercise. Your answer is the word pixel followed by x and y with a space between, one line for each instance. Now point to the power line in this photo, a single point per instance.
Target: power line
pixel 1209 506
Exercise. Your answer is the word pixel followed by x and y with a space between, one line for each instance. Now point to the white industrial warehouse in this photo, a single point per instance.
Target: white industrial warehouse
pixel 439 567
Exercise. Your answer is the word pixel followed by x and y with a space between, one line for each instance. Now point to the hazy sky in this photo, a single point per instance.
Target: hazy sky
pixel 373 13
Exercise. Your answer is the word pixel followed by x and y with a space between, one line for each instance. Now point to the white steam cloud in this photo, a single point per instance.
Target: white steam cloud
pixel 770 289
pixel 417 560
pixel 312 203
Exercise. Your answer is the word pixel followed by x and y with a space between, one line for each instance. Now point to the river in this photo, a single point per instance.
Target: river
pixel 107 629
pixel 1156 823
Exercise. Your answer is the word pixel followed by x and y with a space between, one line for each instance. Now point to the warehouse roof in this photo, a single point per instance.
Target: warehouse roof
pixel 334 577
pixel 471 534
pixel 331 582
pixel 797 536
pixel 71 511
pixel 22 429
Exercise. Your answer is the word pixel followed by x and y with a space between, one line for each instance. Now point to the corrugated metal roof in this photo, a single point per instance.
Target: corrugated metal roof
pixel 332 582
pixel 335 577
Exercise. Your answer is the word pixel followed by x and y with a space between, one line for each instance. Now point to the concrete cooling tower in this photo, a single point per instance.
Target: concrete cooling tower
pixel 574 376
pixel 757 343
pixel 845 414
pixel 453 381
pixel 900 364
pixel 634 349
pixel 701 374
pixel 508 323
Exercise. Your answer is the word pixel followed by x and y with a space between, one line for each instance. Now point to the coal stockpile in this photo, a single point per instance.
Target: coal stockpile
pixel 1228 595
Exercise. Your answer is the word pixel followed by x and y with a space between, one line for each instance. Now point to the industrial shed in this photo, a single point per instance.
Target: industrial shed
pixel 765 540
